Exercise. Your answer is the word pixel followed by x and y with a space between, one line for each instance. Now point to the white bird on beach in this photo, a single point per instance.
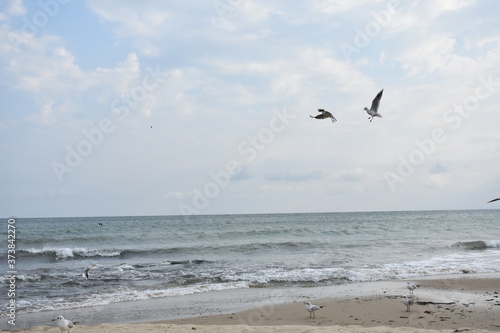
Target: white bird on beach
pixel 86 272
pixel 373 111
pixel 64 324
pixel 411 287
pixel 408 301
pixel 312 309
pixel 323 115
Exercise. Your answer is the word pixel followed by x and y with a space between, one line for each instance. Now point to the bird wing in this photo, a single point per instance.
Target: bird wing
pixel 86 273
pixel 325 113
pixel 376 101
pixel 493 200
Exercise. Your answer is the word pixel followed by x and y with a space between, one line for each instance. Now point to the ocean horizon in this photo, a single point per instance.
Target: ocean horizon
pixel 268 213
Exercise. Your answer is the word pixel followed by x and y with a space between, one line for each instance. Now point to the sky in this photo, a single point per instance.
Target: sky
pixel 121 107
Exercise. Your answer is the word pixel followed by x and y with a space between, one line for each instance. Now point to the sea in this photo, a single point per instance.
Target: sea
pixel 145 257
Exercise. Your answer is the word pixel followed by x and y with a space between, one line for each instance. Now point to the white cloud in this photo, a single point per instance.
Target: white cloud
pixel 145 20
pixel 355 174
pixel 440 56
pixel 253 11
pixel 46 69
pixel 337 7
pixel 342 74
pixel 147 24
pixel 178 195
pixel 422 15
pixel 13 8
pixel 219 87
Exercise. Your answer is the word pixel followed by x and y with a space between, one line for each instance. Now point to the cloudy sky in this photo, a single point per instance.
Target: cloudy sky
pixel 125 107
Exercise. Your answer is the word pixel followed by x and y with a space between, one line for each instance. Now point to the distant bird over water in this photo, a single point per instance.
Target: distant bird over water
pixel 324 114
pixel 373 111
pixel 496 199
pixel 311 308
pixel 86 273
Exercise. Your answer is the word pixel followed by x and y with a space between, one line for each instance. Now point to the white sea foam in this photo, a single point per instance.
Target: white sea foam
pixel 66 252
pixel 127 294
pixel 455 263
pixel 493 243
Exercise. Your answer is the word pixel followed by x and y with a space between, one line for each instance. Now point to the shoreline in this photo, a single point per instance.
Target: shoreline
pixel 442 302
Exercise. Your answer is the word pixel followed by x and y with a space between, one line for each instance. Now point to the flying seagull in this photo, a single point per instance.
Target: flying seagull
pixel 373 112
pixel 86 273
pixel 408 301
pixel 312 309
pixel 64 324
pixel 324 114
pixel 493 200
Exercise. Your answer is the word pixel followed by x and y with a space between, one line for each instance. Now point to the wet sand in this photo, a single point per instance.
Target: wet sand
pixel 442 304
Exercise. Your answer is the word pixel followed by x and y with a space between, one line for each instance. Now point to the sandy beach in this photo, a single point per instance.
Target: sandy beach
pixel 135 328
pixel 445 304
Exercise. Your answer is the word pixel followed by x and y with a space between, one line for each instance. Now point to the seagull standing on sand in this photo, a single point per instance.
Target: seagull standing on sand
pixel 373 111
pixel 312 309
pixel 323 115
pixel 64 324
pixel 408 301
pixel 86 273
pixel 411 287
pixel 496 199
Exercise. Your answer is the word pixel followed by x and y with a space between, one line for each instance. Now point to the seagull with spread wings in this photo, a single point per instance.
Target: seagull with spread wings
pixel 324 115
pixel 373 111
pixel 86 272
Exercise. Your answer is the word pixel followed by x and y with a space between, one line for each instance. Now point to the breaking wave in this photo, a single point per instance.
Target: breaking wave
pixel 476 245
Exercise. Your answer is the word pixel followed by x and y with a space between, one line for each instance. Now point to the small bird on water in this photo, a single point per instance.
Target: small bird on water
pixel 312 309
pixel 324 115
pixel 373 111
pixel 64 324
